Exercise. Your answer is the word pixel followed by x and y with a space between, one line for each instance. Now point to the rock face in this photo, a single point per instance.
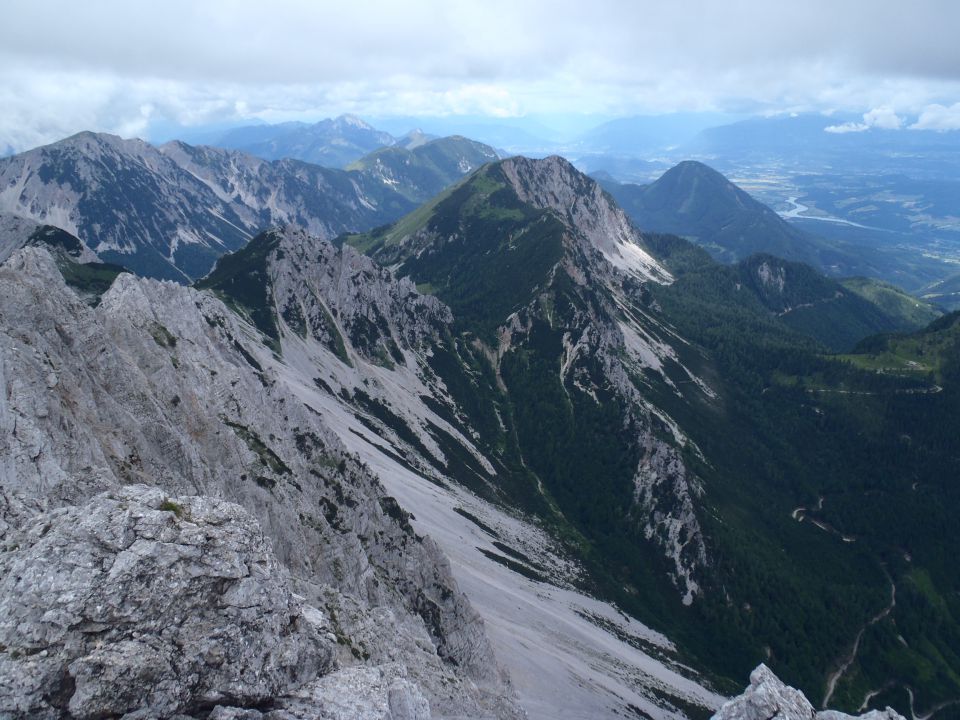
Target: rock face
pixel 164 385
pixel 553 183
pixel 321 291
pixel 767 698
pixel 138 600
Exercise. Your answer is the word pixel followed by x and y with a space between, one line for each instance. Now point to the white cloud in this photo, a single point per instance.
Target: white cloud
pixel 67 66
pixel 847 127
pixel 938 117
pixel 883 118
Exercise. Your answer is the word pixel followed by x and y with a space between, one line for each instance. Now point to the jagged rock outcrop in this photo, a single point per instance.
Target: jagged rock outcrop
pixel 768 698
pixel 140 601
pixel 17 232
pixel 164 385
pixel 324 290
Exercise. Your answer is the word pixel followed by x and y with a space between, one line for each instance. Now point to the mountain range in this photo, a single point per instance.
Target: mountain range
pixel 332 143
pixel 645 470
pixel 170 212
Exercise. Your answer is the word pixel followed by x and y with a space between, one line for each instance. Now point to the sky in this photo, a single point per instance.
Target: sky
pixel 130 67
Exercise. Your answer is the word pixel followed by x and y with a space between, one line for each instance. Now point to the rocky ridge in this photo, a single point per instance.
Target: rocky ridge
pixel 594 264
pixel 170 212
pixel 162 385
pixel 17 232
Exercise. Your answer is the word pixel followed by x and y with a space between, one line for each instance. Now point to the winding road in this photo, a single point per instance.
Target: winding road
pixel 848 661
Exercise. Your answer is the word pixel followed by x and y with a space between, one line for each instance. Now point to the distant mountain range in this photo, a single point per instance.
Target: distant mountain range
pixel 170 212
pixel 332 143
pixel 419 168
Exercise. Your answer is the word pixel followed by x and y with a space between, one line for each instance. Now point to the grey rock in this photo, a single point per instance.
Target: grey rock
pixel 377 315
pixel 163 385
pixel 768 698
pixel 136 601
pixel 191 205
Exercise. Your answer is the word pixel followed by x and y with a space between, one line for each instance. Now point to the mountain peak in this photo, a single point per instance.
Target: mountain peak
pixel 553 183
pixel 697 202
pixel 690 185
pixel 352 121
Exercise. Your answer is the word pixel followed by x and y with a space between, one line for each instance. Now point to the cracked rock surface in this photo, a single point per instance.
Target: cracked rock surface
pixel 138 600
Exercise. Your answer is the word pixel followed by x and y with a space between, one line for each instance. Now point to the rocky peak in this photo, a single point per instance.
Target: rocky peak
pixel 293 283
pixel 768 698
pixel 555 184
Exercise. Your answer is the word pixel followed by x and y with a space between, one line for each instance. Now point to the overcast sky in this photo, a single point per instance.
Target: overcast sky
pixel 120 66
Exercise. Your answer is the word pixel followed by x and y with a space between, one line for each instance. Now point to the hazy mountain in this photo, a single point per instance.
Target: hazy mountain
pixel 647 135
pixel 420 171
pixel 514 135
pixel 812 139
pixel 620 169
pixel 332 143
pixel 414 139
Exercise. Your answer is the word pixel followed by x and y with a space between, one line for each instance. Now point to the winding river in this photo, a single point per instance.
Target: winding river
pixel 796 213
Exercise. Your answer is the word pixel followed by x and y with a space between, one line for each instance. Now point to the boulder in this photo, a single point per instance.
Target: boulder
pixel 137 601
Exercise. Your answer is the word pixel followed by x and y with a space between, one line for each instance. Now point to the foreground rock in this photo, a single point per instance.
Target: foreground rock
pixel 138 601
pixel 768 698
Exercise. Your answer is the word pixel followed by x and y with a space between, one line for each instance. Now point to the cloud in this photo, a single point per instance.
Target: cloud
pixel 938 117
pixel 67 66
pixel 883 118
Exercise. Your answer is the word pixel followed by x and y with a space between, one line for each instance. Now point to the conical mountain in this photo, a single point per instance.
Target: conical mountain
pixel 696 202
